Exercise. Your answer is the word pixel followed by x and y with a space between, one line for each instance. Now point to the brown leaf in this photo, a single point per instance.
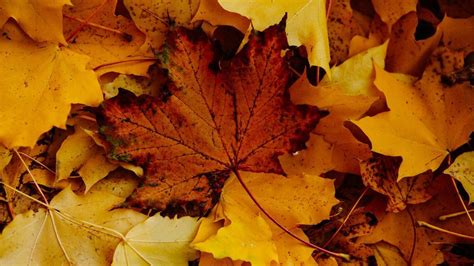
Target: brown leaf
pixel 380 173
pixel 220 117
pixel 404 53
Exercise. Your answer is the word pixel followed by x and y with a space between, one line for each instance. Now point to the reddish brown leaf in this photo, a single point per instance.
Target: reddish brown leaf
pixel 380 174
pixel 221 116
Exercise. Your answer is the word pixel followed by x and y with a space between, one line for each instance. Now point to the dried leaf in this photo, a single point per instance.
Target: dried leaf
pixel 155 17
pixel 80 153
pixel 106 47
pixel 291 200
pixel 158 241
pixel 463 170
pixel 426 121
pixel 238 117
pixel 306 23
pixel 380 174
pixel 71 232
pixel 348 95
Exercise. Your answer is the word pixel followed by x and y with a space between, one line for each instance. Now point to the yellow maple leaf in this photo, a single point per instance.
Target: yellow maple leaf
pixel 158 241
pixel 114 50
pixel 154 17
pixel 80 153
pixel 81 230
pixel 348 95
pixel 42 20
pixel 212 12
pixel 425 122
pixel 306 23
pixel 40 81
pixel 463 170
pixel 298 200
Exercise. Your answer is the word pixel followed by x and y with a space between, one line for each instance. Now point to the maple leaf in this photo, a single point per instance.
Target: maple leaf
pixel 71 231
pixel 306 23
pixel 42 80
pixel 110 39
pixel 41 20
pixel 238 117
pixel 380 174
pixel 348 95
pixel 299 200
pixel 158 241
pixel 414 242
pixel 463 170
pixel 426 120
pixel 154 18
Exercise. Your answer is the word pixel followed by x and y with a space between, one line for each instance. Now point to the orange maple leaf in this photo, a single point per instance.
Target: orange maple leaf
pixel 225 116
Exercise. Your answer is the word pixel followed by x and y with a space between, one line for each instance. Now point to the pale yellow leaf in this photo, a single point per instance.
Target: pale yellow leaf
pixel 158 241
pixel 463 170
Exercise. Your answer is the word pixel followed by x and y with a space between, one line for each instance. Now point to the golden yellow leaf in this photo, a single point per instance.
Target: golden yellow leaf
pixel 40 83
pixel 463 170
pixel 391 10
pixel 81 230
pixel 155 17
pixel 42 20
pixel 110 51
pixel 248 234
pixel 348 95
pixel 425 122
pixel 80 153
pixel 306 23
pixel 158 241
pixel 291 200
pixel 212 12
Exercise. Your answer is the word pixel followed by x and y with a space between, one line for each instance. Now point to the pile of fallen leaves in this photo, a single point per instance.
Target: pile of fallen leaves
pixel 227 132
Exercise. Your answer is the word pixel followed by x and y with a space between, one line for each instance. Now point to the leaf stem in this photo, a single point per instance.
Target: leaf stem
pixel 346 218
pixel 452 215
pixel 83 24
pixel 148 59
pixel 466 211
pixel 422 223
pixel 95 25
pixel 286 230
